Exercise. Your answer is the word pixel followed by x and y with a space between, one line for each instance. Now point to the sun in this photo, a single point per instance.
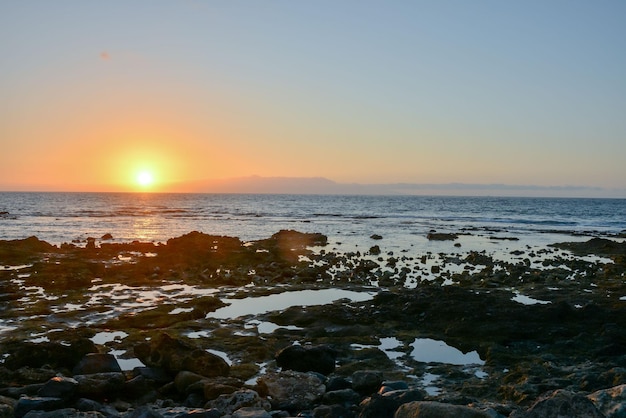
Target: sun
pixel 144 178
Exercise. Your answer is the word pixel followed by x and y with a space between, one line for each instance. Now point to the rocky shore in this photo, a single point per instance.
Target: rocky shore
pixel 134 330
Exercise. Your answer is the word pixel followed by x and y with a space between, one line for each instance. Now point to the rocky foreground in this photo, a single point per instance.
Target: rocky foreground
pixel 565 356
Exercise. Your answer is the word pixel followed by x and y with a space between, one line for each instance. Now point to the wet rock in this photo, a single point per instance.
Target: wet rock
pixel 227 404
pixel 99 385
pixel 97 363
pixel 429 409
pixel 611 402
pixel 376 237
pixel 36 403
pixel 366 382
pixel 320 359
pixel 291 390
pixel 59 387
pixel 106 237
pixel 176 355
pixel 561 403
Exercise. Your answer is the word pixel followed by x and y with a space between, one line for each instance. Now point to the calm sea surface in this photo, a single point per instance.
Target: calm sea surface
pixel 349 221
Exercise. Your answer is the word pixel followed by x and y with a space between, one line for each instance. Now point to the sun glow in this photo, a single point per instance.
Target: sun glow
pixel 144 178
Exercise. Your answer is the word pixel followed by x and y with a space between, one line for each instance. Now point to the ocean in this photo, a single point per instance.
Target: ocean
pixel 349 221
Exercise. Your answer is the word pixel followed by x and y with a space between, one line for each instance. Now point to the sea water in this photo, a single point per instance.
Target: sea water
pixel 401 220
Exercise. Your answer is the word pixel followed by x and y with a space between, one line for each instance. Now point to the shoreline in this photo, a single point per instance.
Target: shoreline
pixel 563 305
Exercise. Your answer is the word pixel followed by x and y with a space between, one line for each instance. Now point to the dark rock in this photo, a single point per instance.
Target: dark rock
pixel 36 403
pixel 64 413
pixel 332 411
pixel 97 363
pixel 341 396
pixel 391 386
pixel 290 390
pixel 52 354
pixel 106 237
pixel 366 381
pixel 250 412
pixel 375 250
pixel 440 236
pixel 153 373
pixel 611 402
pixel 59 387
pixel 227 404
pixel 144 412
pixel 138 387
pixel 100 385
pixel 561 403
pixel 319 359
pixel 385 405
pixel 337 383
pixel 428 409
pixel 376 237
pixel 176 355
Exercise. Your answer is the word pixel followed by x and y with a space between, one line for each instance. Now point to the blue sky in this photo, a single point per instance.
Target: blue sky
pixel 524 93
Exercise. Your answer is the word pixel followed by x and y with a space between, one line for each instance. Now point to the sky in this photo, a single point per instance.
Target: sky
pixel 451 91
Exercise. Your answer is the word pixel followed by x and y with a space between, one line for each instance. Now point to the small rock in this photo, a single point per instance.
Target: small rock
pixel 376 237
pixel 106 237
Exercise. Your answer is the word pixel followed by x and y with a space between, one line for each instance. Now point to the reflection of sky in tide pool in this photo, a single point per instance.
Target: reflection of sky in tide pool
pixel 427 350
pixel 280 301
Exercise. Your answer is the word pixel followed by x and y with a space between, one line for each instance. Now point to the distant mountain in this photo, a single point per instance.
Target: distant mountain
pixel 321 185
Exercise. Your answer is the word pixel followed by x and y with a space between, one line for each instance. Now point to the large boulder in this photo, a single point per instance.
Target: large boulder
pixel 175 355
pixel 320 359
pixel 291 390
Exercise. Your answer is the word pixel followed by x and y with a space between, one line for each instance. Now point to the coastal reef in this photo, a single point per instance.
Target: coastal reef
pixel 211 326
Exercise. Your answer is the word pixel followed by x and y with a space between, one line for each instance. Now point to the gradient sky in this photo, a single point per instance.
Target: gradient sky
pixel 522 93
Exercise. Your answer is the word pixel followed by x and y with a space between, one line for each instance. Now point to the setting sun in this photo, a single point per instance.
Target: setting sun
pixel 145 178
